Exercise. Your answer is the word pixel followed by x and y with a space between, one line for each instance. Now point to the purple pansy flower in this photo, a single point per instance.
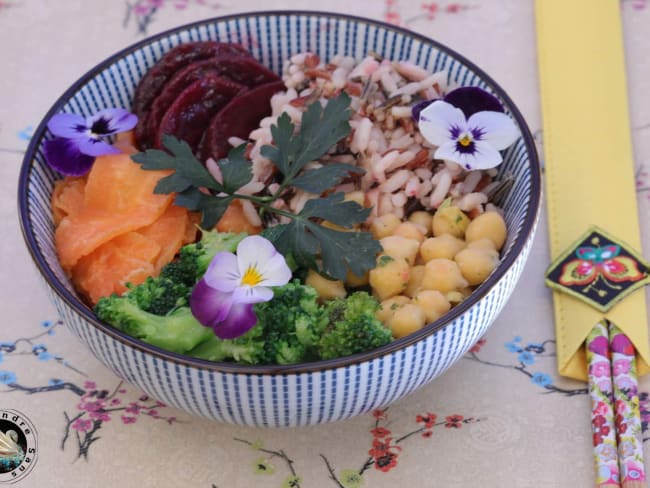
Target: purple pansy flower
pixel 470 99
pixel 79 140
pixel 472 142
pixel 224 298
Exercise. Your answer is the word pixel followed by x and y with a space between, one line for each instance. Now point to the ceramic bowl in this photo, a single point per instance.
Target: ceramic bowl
pixel 302 394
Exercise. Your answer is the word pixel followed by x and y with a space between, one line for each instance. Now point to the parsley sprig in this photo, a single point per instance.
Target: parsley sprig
pixel 304 237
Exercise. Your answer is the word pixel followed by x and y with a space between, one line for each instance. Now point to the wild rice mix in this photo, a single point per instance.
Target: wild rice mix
pixel 401 174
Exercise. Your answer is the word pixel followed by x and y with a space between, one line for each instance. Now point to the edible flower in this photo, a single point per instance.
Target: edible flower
pixel 472 142
pixel 223 299
pixel 470 99
pixel 78 140
pixel 468 126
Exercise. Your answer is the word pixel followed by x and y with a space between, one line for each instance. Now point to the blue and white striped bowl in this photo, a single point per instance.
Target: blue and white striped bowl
pixel 303 394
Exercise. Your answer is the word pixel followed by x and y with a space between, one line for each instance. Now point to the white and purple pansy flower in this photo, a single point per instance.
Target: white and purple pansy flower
pixel 78 140
pixel 468 126
pixel 223 299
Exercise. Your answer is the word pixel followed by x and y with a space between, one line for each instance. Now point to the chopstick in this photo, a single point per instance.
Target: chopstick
pixel 602 407
pixel 615 414
pixel 626 408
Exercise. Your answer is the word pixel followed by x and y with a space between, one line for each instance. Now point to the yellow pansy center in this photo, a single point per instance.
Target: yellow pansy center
pixel 465 140
pixel 252 277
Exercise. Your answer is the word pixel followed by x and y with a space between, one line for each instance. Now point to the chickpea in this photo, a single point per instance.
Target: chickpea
pixel 387 307
pixel 442 275
pixel 483 243
pixel 384 225
pixel 410 230
pixel 406 320
pixel 433 303
pixel 450 220
pixel 455 297
pixel 390 277
pixel 326 288
pixel 415 280
pixel 444 246
pixel 355 281
pixel 400 247
pixel 476 263
pixel 423 218
pixel 487 225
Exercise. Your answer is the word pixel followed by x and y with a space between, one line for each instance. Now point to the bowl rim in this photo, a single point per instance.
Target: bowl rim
pixel 85 312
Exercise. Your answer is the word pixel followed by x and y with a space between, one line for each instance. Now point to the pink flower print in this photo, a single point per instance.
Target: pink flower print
pixel 82 425
pixel 133 408
pixel 431 9
pixel 380 414
pixel 100 415
pixel 477 347
pixel 392 18
pixel 116 401
pixel 621 366
pixel 91 406
pixel 454 8
pixel 171 420
pixel 90 385
pixel 126 419
pixel 600 369
pixel 601 408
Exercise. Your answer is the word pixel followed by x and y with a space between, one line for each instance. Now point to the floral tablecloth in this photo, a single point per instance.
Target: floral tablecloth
pixel 500 417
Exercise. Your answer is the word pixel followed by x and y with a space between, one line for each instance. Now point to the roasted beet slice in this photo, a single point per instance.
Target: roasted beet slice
pixel 178 57
pixel 191 112
pixel 247 71
pixel 237 119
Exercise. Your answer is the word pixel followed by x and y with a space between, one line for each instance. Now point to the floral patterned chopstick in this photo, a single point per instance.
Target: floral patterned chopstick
pixel 602 407
pixel 626 407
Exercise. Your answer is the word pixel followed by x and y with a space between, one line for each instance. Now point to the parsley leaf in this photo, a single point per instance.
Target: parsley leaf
pixel 334 209
pixel 236 170
pixel 321 179
pixel 304 238
pixel 188 171
pixel 212 207
pixel 320 130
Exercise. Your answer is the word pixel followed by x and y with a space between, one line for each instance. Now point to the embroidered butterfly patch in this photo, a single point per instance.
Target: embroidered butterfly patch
pixel 598 270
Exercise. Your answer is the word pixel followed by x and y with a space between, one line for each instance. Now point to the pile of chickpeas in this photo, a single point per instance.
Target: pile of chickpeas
pixel 429 263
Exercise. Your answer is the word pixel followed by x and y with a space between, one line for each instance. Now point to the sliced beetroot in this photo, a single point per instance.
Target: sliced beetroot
pixel 192 111
pixel 178 57
pixel 237 119
pixel 247 71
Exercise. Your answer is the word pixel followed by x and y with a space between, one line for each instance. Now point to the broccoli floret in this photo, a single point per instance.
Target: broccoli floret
pixel 292 323
pixel 352 327
pixel 178 331
pixel 248 348
pixel 159 295
pixel 193 259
